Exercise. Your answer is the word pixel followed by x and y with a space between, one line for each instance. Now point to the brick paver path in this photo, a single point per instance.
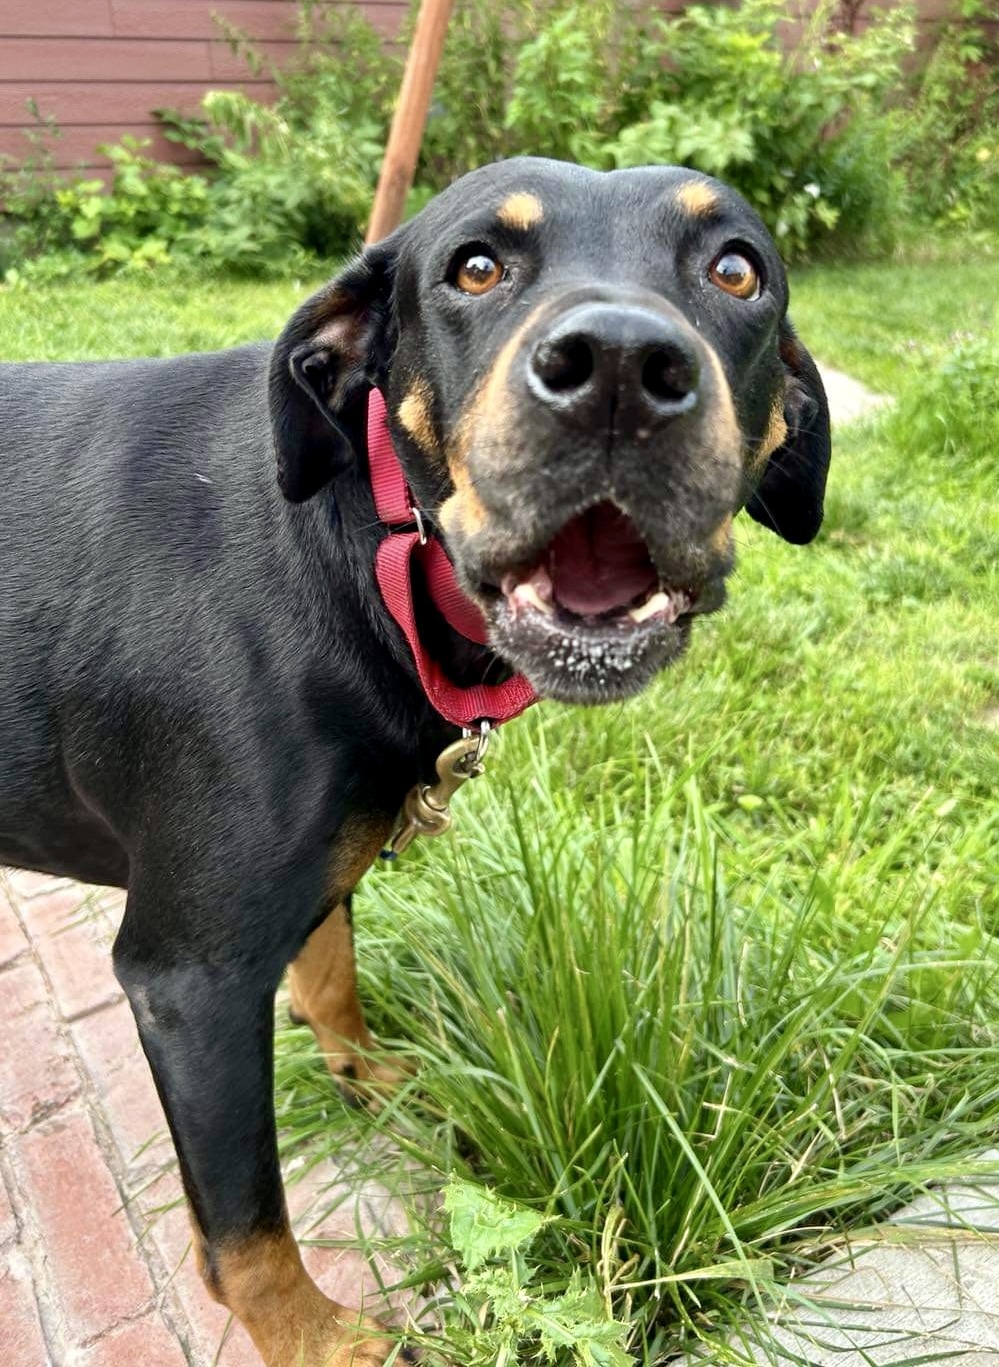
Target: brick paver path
pixel 93 1271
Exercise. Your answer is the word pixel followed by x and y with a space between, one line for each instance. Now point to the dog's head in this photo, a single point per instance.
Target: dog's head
pixel 587 375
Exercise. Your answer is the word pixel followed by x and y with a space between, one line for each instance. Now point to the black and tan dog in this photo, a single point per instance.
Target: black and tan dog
pixel 202 695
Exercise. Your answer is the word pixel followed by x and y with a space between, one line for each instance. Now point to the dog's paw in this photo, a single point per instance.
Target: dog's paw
pixel 371 1078
pixel 340 1340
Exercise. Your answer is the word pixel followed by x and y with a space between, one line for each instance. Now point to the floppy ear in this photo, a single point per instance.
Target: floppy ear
pixel 788 499
pixel 332 351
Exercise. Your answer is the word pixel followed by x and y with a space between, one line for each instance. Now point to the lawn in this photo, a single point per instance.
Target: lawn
pixel 702 978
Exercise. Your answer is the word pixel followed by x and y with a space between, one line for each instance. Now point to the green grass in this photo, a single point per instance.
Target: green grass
pixel 710 976
pixel 85 321
pixel 875 320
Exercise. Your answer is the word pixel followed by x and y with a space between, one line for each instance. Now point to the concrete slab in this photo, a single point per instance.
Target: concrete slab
pixel 920 1288
pixel 848 398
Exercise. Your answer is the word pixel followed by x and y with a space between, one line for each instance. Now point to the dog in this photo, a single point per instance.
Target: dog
pixel 209 692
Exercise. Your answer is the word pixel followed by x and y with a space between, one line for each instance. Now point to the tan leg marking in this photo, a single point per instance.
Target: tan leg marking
pixel 697 198
pixel 323 978
pixel 262 1281
pixel 323 985
pixel 521 210
pixel 355 848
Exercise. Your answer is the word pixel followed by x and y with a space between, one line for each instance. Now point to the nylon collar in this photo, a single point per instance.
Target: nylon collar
pixel 465 707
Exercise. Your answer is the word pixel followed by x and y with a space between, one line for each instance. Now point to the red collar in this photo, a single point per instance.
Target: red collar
pixel 466 707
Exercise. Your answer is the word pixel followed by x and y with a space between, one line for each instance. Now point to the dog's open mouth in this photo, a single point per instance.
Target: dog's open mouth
pixel 591 619
pixel 596 571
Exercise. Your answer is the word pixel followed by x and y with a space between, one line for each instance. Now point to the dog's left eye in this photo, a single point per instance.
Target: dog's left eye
pixel 476 272
pixel 736 275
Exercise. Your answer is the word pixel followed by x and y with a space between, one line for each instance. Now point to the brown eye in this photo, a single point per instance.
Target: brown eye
pixel 736 275
pixel 478 273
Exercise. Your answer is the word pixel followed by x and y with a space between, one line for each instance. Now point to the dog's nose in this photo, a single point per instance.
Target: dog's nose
pixel 600 359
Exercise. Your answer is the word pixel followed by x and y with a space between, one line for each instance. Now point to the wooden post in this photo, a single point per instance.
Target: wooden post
pixel 399 164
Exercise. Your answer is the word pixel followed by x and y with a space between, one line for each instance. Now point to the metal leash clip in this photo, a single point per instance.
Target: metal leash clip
pixel 427 809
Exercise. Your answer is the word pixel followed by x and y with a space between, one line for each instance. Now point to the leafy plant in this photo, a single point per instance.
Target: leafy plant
pixel 31 219
pixel 150 206
pixel 135 223
pixel 283 193
pixel 500 1312
pixel 562 97
pixel 294 180
pixel 802 132
pixel 467 122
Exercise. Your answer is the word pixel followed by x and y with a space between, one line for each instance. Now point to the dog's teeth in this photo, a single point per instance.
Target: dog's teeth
pixel 527 595
pixel 658 603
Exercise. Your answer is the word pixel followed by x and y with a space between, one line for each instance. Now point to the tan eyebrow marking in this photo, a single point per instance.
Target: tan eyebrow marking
pixel 697 198
pixel 521 210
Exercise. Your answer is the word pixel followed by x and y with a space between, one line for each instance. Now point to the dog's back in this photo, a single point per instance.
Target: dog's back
pixel 115 509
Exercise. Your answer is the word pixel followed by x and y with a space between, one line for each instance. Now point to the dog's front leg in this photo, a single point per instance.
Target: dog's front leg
pixel 323 988
pixel 205 1018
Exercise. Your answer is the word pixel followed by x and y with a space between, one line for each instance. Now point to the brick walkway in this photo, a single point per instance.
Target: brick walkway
pixel 93 1271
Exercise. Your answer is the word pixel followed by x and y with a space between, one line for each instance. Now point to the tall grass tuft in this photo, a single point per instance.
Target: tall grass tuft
pixel 697 1090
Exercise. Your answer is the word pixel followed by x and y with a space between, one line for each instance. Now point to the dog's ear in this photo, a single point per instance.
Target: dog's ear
pixel 789 497
pixel 330 354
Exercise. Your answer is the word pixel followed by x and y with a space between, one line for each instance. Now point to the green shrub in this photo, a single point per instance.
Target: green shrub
pixel 823 138
pixel 466 123
pixel 287 184
pixel 285 190
pixel 31 221
pixel 563 96
pixel 150 207
pixel 136 223
pixel 801 133
pixel 550 78
pixel 797 132
pixel 294 180
pixel 948 133
pixel 948 417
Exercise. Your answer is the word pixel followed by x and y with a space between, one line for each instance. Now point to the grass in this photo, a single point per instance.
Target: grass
pixel 873 320
pixel 706 978
pixel 86 320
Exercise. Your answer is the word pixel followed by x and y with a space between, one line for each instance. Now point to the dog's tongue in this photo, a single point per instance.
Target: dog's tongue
pixel 599 562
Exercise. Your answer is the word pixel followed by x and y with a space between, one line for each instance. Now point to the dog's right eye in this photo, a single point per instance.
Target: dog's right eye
pixel 476 272
pixel 735 273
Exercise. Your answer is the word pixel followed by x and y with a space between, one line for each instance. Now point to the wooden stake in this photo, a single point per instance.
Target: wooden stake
pixel 399 165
